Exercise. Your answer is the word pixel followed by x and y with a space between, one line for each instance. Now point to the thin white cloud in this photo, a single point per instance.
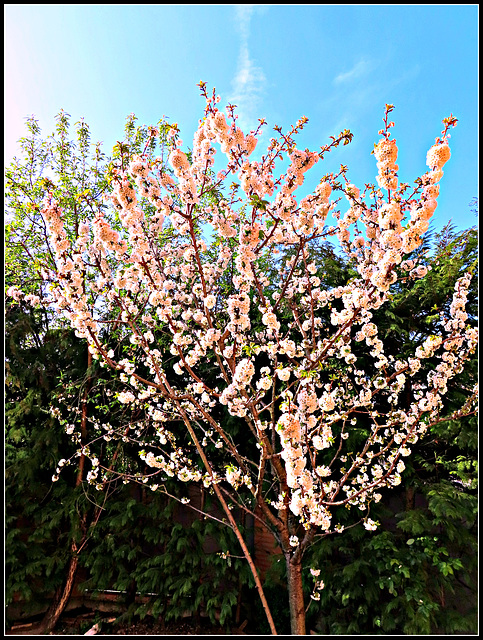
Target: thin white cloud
pixel 248 84
pixel 360 68
pixel 243 13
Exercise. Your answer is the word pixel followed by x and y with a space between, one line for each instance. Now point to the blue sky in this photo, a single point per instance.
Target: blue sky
pixel 336 64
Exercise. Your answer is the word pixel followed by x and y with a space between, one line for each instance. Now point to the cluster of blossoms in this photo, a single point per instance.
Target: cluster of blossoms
pixel 386 154
pixel 200 291
pixel 238 306
pixel 318 584
pixel 69 292
pixel 175 465
pixel 381 246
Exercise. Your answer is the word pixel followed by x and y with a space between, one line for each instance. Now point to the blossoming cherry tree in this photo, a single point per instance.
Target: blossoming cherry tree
pixel 179 255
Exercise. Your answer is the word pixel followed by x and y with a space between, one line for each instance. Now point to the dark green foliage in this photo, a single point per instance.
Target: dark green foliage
pixel 277 598
pixel 416 574
pixel 141 545
pixel 136 543
pixel 40 516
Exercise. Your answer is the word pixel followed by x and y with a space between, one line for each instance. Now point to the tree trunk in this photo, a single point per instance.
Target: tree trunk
pixel 62 595
pixel 296 595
